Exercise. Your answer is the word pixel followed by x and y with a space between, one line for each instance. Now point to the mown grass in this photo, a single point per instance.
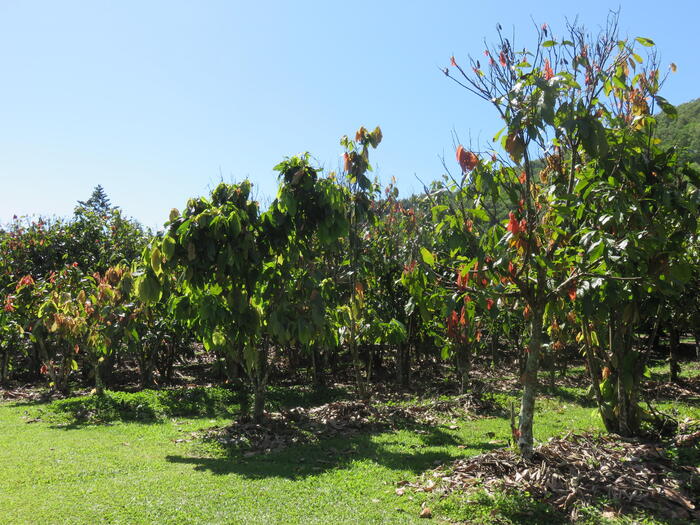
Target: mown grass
pixel 131 458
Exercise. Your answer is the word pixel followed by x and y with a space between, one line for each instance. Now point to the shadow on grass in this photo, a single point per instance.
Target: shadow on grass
pixel 301 396
pixel 334 453
pixel 146 406
pixel 570 395
pixel 154 406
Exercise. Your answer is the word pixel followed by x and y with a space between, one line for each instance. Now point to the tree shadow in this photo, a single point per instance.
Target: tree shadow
pixel 340 452
pixel 302 396
pixel 567 395
pixel 151 406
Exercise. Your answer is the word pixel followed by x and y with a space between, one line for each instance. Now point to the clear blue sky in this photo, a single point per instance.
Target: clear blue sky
pixel 158 101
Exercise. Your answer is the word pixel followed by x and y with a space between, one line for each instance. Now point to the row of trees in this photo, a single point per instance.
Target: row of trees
pixel 575 235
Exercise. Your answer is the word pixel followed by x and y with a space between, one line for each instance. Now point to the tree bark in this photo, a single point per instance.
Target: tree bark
pixel 527 408
pixel 674 343
pixel 494 347
pixel 99 386
pixel 463 359
pixel 260 384
pixel 403 365
pixel 595 375
pixel 628 374
pixel 4 366
pixel 318 369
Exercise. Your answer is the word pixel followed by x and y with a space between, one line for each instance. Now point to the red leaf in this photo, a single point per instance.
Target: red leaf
pixel 467 160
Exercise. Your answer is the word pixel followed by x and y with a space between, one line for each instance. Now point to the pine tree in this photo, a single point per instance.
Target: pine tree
pixel 98 202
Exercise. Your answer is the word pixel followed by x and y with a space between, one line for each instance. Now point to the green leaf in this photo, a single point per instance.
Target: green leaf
pixel 156 261
pixel 668 108
pixel 428 257
pixel 148 288
pixel 646 42
pixel 168 246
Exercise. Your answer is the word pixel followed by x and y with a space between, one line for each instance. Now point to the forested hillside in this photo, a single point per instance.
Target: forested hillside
pixel 683 131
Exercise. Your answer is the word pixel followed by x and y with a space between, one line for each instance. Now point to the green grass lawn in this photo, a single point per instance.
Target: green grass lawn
pixel 149 470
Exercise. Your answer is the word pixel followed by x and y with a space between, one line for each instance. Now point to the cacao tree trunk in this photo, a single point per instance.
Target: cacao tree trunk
pixel 674 343
pixel 260 384
pixel 595 375
pixel 463 361
pixel 628 369
pixel 527 408
pixel 4 366
pixel 318 369
pixel 403 365
pixel 494 347
pixel 99 386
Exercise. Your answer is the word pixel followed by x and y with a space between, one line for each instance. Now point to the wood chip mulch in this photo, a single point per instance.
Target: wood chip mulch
pixel 340 418
pixel 575 469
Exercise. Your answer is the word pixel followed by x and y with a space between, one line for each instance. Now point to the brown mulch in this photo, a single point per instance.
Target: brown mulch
pixel 346 418
pixel 24 393
pixel 580 469
pixel 686 389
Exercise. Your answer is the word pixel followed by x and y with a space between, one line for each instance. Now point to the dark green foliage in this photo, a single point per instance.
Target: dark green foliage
pixel 683 131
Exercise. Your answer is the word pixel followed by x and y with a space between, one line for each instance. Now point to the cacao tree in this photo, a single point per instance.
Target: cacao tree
pixel 577 113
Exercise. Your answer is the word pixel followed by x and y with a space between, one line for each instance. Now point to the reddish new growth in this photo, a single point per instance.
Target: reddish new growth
pixel 408 268
pixel 9 307
pixel 27 280
pixel 513 225
pixel 467 160
pixel 456 325
pixel 512 269
pixel 462 280
pixel 548 73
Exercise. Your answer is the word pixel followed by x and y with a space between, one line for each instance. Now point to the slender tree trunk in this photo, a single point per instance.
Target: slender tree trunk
pixel 628 374
pixel 674 343
pixel 99 386
pixel 293 360
pixel 361 382
pixel 403 365
pixel 231 363
pixel 697 344
pixel 107 369
pixel 494 347
pixel 4 366
pixel 146 367
pixel 463 362
pixel 259 404
pixel 370 363
pixel 527 408
pixel 595 375
pixel 552 368
pixel 319 377
pixel 260 384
